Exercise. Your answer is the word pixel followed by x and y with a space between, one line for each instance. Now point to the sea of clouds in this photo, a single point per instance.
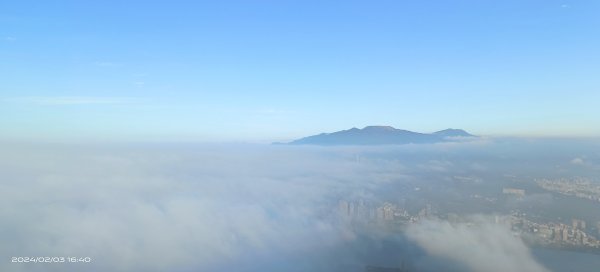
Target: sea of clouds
pixel 224 208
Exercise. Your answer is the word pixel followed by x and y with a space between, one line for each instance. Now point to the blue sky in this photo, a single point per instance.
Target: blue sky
pixel 277 70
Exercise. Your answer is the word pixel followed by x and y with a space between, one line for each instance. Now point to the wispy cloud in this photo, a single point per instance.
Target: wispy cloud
pixel 69 100
pixel 10 39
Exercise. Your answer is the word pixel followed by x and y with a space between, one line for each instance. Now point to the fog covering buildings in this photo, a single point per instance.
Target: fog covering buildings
pixel 176 207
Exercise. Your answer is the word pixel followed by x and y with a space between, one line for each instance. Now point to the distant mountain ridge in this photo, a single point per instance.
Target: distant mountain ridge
pixel 382 135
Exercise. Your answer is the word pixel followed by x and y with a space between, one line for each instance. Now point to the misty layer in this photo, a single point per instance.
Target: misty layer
pixel 482 246
pixel 137 209
pixel 245 208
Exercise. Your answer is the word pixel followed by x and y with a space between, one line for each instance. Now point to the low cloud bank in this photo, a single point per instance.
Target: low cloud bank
pixel 481 245
pixel 177 208
pixel 240 208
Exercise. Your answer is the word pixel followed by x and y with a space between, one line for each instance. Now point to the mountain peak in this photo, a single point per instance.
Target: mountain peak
pixel 381 135
pixel 382 128
pixel 451 132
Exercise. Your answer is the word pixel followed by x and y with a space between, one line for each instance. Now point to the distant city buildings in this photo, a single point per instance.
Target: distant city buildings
pixel 553 234
pixel 513 191
pixel 578 187
pixel 360 211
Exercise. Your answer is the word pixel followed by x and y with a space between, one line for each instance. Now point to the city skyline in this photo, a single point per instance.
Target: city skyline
pixel 266 71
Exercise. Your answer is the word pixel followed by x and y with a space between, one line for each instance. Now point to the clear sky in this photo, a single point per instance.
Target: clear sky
pixel 277 70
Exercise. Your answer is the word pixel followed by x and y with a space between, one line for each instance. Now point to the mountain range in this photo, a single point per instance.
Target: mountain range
pixel 382 135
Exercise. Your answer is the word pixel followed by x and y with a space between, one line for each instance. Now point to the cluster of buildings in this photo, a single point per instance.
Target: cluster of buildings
pixel 579 187
pixel 574 235
pixel 513 191
pixel 362 211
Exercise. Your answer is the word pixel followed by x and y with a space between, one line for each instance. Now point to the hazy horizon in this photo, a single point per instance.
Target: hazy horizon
pixel 146 139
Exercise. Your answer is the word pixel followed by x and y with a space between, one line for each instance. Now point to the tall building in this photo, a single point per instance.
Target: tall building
pixel 362 210
pixel 380 214
pixel 578 224
pixel 343 208
pixel 388 212
pixel 557 233
pixel 351 210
